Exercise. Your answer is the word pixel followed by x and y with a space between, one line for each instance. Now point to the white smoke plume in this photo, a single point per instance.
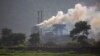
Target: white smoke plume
pixel 78 13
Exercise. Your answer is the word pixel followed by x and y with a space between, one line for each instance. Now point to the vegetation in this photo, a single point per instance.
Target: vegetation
pixel 41 53
pixel 9 38
pixel 80 32
pixel 34 40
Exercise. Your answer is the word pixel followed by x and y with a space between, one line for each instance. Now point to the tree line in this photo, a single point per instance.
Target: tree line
pixel 10 39
pixel 79 33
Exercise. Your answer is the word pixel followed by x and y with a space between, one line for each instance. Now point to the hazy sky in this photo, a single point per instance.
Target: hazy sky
pixel 21 15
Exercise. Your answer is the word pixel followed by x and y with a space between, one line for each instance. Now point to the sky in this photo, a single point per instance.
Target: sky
pixel 21 15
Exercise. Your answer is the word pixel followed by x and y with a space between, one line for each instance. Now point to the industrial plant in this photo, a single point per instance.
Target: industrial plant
pixel 54 34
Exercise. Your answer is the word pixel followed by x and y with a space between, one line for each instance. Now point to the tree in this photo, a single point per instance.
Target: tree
pixel 34 40
pixel 6 32
pixel 80 32
pixel 17 38
pixel 10 39
pixel 5 36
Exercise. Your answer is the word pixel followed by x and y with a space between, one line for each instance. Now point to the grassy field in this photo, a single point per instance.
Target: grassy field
pixel 41 53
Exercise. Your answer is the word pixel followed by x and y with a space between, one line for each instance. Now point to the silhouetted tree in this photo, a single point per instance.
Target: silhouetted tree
pixel 17 38
pixel 80 32
pixel 34 40
pixel 9 38
pixel 5 36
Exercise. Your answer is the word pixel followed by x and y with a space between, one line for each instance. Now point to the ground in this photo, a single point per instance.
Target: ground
pixel 41 53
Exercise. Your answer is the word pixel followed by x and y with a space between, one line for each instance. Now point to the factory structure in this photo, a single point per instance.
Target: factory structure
pixel 55 34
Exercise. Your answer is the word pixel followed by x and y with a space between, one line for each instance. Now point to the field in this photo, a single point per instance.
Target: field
pixel 41 53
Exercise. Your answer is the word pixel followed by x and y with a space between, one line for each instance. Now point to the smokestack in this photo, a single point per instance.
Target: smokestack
pixel 36 29
pixel 39 16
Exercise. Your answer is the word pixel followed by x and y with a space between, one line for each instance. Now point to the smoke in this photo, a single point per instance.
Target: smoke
pixel 53 20
pixel 78 13
pixel 95 26
pixel 73 15
pixel 95 23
